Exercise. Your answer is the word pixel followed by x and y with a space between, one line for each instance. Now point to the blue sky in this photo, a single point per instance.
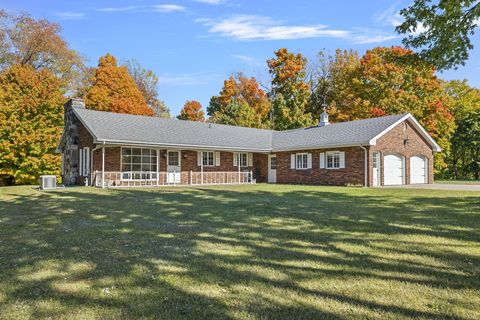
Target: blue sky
pixel 193 45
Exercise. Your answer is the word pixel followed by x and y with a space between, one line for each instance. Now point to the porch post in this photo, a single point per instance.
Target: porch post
pixel 238 165
pixel 158 165
pixel 201 169
pixel 190 177
pixel 103 167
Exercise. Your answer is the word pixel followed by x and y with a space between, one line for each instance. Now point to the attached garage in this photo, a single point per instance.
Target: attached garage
pixel 418 170
pixel 393 170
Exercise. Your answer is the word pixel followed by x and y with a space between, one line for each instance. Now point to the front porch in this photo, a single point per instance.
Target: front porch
pixel 116 179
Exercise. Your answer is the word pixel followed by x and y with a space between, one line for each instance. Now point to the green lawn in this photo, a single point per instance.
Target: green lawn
pixel 239 252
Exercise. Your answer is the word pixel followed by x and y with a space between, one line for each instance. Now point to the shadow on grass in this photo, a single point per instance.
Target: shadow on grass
pixel 237 253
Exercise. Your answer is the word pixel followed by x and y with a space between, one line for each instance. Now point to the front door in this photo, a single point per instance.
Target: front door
pixel 173 167
pixel 272 168
pixel 376 168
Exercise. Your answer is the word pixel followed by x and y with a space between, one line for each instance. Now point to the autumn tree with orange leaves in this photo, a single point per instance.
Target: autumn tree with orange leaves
pixel 192 110
pixel 290 90
pixel 115 90
pixel 388 81
pixel 241 102
pixel 38 43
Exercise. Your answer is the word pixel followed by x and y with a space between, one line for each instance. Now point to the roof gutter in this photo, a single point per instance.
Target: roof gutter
pixel 314 147
pixel 179 145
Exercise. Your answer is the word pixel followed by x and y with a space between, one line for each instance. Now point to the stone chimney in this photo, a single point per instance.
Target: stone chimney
pixel 324 118
pixel 69 143
pixel 75 103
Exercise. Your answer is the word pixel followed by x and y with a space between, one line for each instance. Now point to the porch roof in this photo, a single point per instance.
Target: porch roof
pixel 114 128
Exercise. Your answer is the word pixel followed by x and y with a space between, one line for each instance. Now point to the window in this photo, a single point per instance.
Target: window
pixel 208 158
pixel 376 160
pixel 242 160
pixel 173 158
pixel 139 163
pixel 335 160
pixel 273 163
pixel 302 160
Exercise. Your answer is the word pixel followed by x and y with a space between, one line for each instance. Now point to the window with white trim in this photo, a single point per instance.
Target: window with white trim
pixel 173 158
pixel 335 160
pixel 242 159
pixel 301 160
pixel 208 158
pixel 139 163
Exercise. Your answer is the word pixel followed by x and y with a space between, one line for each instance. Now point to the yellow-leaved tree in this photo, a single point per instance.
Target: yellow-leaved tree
pixel 31 120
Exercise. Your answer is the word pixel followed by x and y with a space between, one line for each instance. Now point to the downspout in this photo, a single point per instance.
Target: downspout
pixel 366 166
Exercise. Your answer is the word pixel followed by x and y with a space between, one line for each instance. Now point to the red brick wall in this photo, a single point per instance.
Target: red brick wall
pixel 260 164
pixel 393 143
pixel 112 159
pixel 353 173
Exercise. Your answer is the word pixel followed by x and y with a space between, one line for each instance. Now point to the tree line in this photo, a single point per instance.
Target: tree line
pixel 38 71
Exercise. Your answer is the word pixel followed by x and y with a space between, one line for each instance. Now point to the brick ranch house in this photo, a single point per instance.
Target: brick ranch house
pixel 118 150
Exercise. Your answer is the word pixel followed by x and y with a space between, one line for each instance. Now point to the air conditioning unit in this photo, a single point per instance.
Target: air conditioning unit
pixel 48 182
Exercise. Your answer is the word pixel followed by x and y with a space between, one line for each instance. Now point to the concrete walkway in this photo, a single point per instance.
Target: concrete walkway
pixel 441 186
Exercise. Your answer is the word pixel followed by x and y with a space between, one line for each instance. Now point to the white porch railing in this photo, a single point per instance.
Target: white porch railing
pixel 153 179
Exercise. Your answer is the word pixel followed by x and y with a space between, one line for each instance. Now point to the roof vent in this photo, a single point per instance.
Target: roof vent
pixel 324 118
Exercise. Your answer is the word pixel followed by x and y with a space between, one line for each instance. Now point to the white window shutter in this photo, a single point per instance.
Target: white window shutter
pixel 322 160
pixel 235 159
pixel 250 159
pixel 342 159
pixel 80 162
pixel 199 158
pixel 86 154
pixel 292 161
pixel 309 161
pixel 217 158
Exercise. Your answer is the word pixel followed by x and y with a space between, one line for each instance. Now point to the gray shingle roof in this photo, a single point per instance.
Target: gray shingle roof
pixel 153 130
pixel 336 134
pixel 123 128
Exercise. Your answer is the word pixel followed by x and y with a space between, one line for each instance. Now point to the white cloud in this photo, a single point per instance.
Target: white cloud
pixel 189 79
pixel 366 36
pixel 119 9
pixel 252 27
pixel 214 2
pixel 247 59
pixel 169 8
pixel 389 17
pixel 164 8
pixel 71 15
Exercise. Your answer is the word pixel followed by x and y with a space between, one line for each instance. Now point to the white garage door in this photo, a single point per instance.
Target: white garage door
pixel 393 170
pixel 418 170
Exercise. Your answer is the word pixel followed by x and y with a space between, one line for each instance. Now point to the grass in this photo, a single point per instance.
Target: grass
pixel 239 252
pixel 458 181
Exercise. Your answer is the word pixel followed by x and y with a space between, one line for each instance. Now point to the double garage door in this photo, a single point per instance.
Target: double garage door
pixel 394 170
